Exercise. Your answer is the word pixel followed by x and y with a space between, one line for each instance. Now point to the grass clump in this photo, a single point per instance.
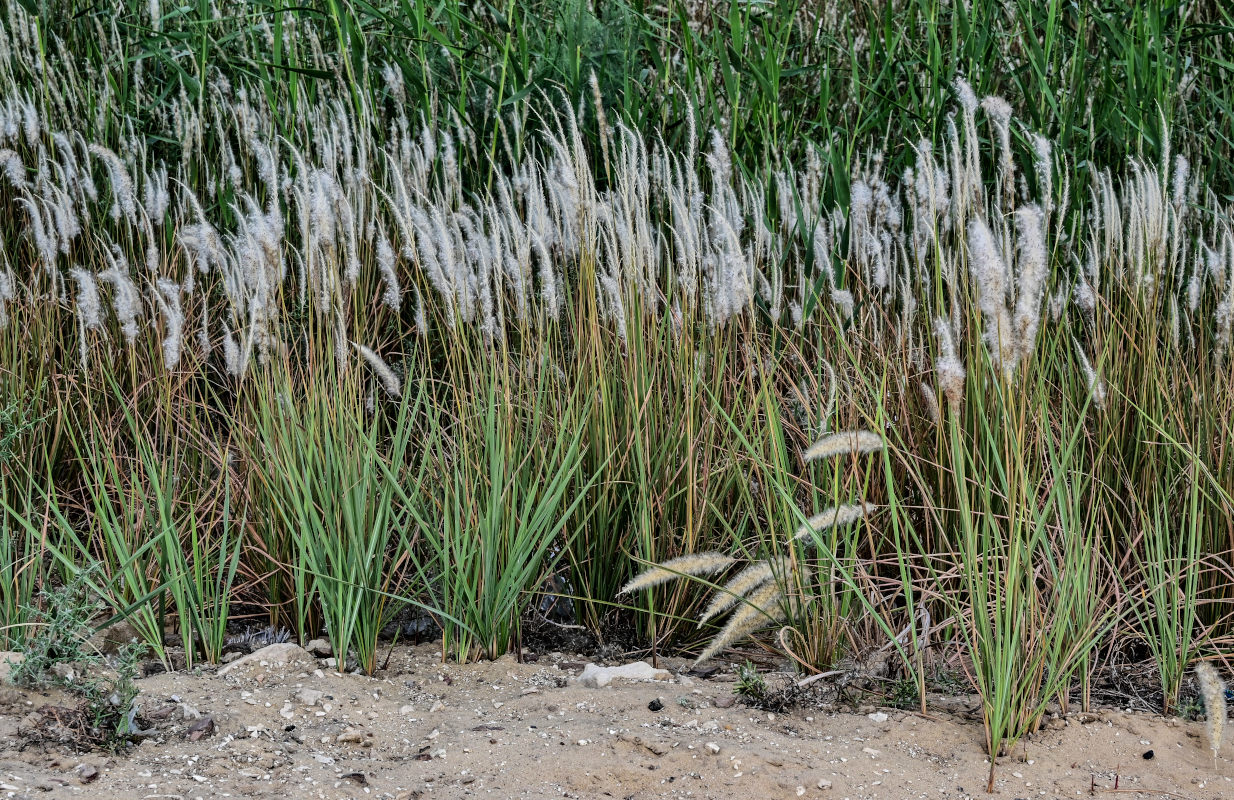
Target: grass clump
pixel 492 531
pixel 335 531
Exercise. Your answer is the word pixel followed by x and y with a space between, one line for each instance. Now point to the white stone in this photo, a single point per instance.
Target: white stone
pixel 597 677
pixel 320 648
pixel 308 697
pixel 275 654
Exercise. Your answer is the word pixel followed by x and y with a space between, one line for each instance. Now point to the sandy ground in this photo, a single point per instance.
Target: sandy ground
pixel 292 728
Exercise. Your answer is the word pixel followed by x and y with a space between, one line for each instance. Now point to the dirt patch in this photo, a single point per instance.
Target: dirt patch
pixel 289 729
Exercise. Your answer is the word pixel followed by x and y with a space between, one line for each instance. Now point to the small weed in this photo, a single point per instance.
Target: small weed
pixel 777 697
pixel 1191 708
pixel 904 694
pixel 750 685
pixel 58 655
pixel 951 682
pixel 16 421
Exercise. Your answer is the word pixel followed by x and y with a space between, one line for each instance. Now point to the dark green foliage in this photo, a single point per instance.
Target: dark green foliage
pixel 1103 81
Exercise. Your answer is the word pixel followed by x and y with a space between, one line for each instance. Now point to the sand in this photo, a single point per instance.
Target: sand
pixel 296 729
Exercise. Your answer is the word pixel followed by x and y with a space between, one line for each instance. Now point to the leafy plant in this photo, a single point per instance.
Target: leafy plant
pixel 57 653
pixel 750 685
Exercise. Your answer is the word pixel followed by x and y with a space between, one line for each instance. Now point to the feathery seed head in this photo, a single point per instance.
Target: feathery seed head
pixel 843 443
pixel 949 368
pixel 1033 272
pixel 89 307
pixel 168 299
pixel 694 564
pixel 1182 172
pixel 1212 691
pixel 124 201
pixel 968 98
pixel 389 381
pixel 836 517
pixel 392 296
pixel 987 266
pixel 989 272
pixel 14 170
pixel 931 402
pixel 125 299
pixel 1044 167
pixel 744 582
pixel 235 354
pixel 998 109
pixel 760 608
pixel 1096 384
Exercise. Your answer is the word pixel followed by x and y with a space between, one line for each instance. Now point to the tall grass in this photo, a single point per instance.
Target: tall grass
pixel 493 529
pixel 331 313
pixel 30 441
pixel 323 478
pixel 197 552
pixel 1024 591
